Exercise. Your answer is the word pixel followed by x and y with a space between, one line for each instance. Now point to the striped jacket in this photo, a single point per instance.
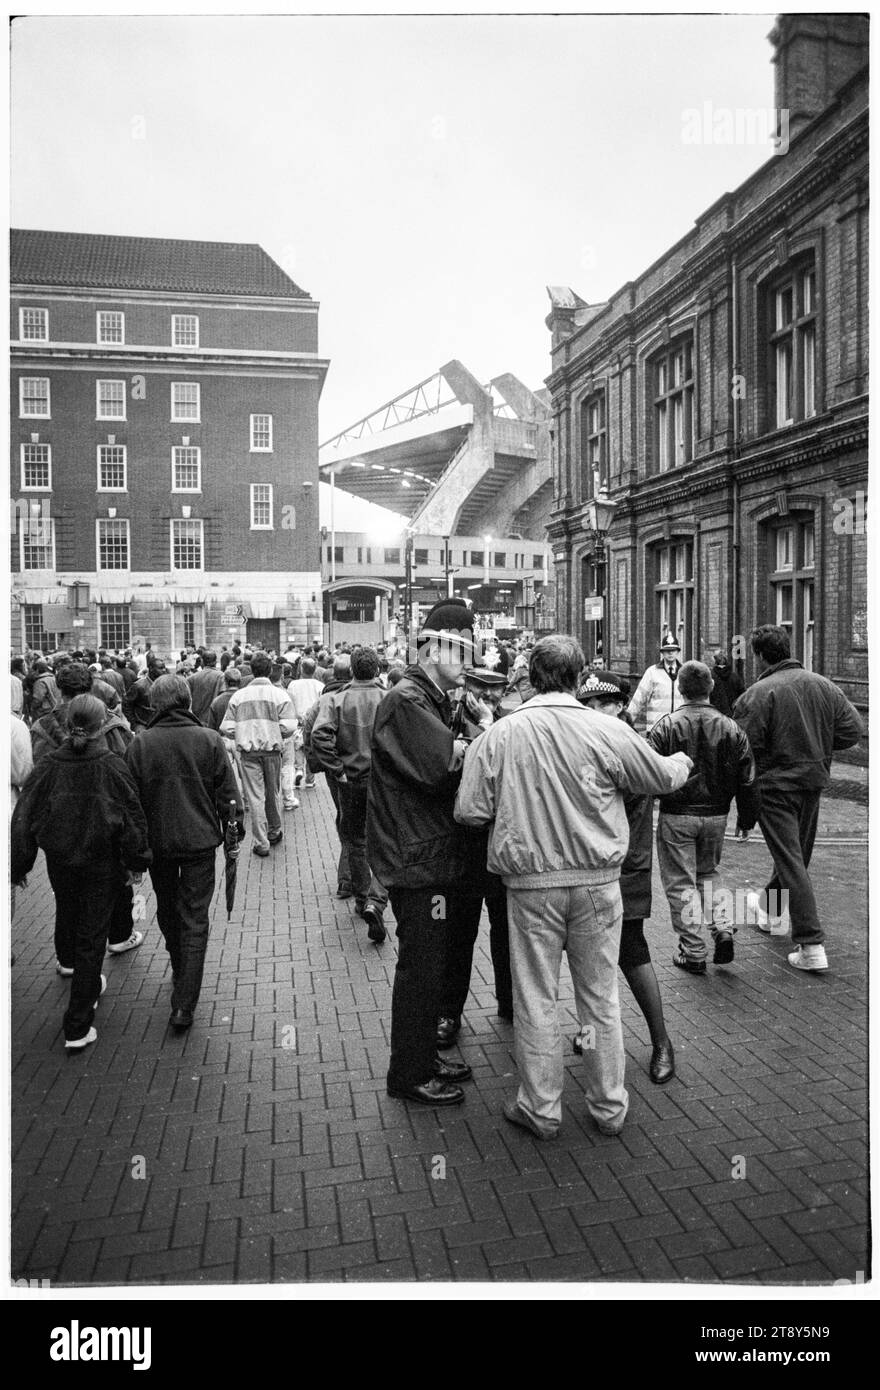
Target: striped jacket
pixel 260 717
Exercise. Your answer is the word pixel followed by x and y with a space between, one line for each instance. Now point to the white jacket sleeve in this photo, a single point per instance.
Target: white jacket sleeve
pixel 475 799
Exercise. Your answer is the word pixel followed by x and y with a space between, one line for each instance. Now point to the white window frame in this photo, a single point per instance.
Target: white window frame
pixel 32 487
pixel 263 448
pixel 29 309
pixel 101 487
pixel 263 525
pixel 34 415
pixel 98 336
pixel 116 521
pixel 110 381
pixel 101 607
pixel 188 521
pixel 187 419
pixel 174 321
pixel 23 531
pixel 198 453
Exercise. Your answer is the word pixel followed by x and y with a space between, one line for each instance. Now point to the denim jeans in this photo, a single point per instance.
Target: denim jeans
pixel 788 823
pixel 184 889
pixel 353 833
pixel 261 775
pixel 288 772
pixel 584 921
pixel 688 853
pixel 343 873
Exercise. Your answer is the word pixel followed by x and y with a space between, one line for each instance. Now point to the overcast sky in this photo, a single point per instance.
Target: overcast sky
pixel 423 178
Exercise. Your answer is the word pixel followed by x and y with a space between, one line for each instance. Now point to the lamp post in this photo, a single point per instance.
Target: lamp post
pixel 407 608
pixel 600 515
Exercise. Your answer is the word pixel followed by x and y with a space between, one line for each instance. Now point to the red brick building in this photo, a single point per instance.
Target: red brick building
pixel 720 400
pixel 164 467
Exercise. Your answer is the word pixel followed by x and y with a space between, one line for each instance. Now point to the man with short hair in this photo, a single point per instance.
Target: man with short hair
pixel 205 684
pixel 795 721
pixel 304 691
pixel 417 850
pixel 136 705
pixel 340 744
pixel 50 731
pixel 550 781
pixel 655 692
pixel 259 717
pixel 693 819
pixel 186 788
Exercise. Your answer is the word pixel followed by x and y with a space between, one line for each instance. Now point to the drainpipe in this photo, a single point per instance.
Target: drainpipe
pixel 735 611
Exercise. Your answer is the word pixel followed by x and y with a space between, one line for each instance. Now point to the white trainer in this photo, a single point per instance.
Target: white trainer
pixel 770 926
pixel 809 958
pixel 130 945
pixel 74 1044
pixel 64 970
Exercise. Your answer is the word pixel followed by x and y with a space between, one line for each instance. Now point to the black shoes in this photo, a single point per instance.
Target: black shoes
pixel 451 1071
pixel 693 967
pixel 723 948
pixel 375 926
pixel 433 1092
pixel 448 1030
pixel 181 1018
pixel 274 836
pixel 662 1063
pixel 262 851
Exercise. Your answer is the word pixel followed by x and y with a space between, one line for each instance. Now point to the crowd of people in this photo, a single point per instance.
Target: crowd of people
pixel 519 778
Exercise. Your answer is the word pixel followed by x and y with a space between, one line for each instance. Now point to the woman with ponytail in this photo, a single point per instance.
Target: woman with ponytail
pixel 81 807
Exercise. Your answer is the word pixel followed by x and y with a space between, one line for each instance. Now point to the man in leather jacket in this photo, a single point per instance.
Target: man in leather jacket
pixel 690 831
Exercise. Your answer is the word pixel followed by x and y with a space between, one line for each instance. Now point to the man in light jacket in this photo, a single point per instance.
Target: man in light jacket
pixel 259 717
pixel 656 691
pixel 795 721
pixel 551 779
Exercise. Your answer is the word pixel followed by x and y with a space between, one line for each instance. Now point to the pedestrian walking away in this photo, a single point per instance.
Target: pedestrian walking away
pixel 259 718
pixel 796 721
pixel 81 807
pixel 550 779
pixel 690 830
pixel 187 788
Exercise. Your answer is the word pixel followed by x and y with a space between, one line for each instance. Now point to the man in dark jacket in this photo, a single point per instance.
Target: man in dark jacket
pixel 136 704
pixel 205 685
pixel 339 680
pixel 795 721
pixel 340 744
pixel 49 732
pixel 186 785
pixel 418 851
pixel 727 684
pixel 690 831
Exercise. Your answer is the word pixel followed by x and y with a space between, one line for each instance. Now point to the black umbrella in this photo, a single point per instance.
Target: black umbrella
pixel 231 849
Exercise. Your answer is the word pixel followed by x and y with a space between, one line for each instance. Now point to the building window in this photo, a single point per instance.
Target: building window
pixel 185 402
pixel 33 325
pixel 37 541
pixel 35 635
pixel 369 556
pixel 189 624
pixel 33 398
pixel 112 544
pixel 186 469
pixel 673 375
pixel 184 330
pixel 111 400
pixel 36 467
pixel 673 594
pixel 186 545
pixel 421 557
pixel 261 507
pixel 594 453
pixel 111 326
pixel 537 562
pixel 112 468
pixel 792 565
pixel 392 556
pixel 791 359
pixel 261 434
pixel 115 625
pixel 339 554
pixel 476 557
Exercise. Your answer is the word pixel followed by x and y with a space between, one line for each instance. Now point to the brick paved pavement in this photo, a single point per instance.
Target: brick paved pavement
pixel 270 1151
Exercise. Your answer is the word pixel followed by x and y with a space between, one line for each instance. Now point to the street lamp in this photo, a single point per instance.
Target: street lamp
pixel 600 515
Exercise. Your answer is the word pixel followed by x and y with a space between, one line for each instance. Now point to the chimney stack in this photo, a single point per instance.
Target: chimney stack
pixel 815 55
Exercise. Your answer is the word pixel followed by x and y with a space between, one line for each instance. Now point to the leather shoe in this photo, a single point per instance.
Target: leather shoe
pixel 181 1018
pixel 662 1067
pixel 516 1116
pixel 433 1092
pixel 447 1031
pixel 375 926
pixel 451 1071
pixel 261 851
pixel 693 967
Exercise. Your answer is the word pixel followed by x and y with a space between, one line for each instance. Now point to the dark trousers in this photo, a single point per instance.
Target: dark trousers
pixel 353 833
pixel 121 920
pixel 499 948
pixel 84 904
pixel 788 822
pixel 343 874
pixel 184 888
pixel 419 981
pixel 463 912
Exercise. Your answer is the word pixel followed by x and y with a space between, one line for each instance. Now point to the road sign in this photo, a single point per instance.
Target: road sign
pixel 594 610
pixel 233 613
